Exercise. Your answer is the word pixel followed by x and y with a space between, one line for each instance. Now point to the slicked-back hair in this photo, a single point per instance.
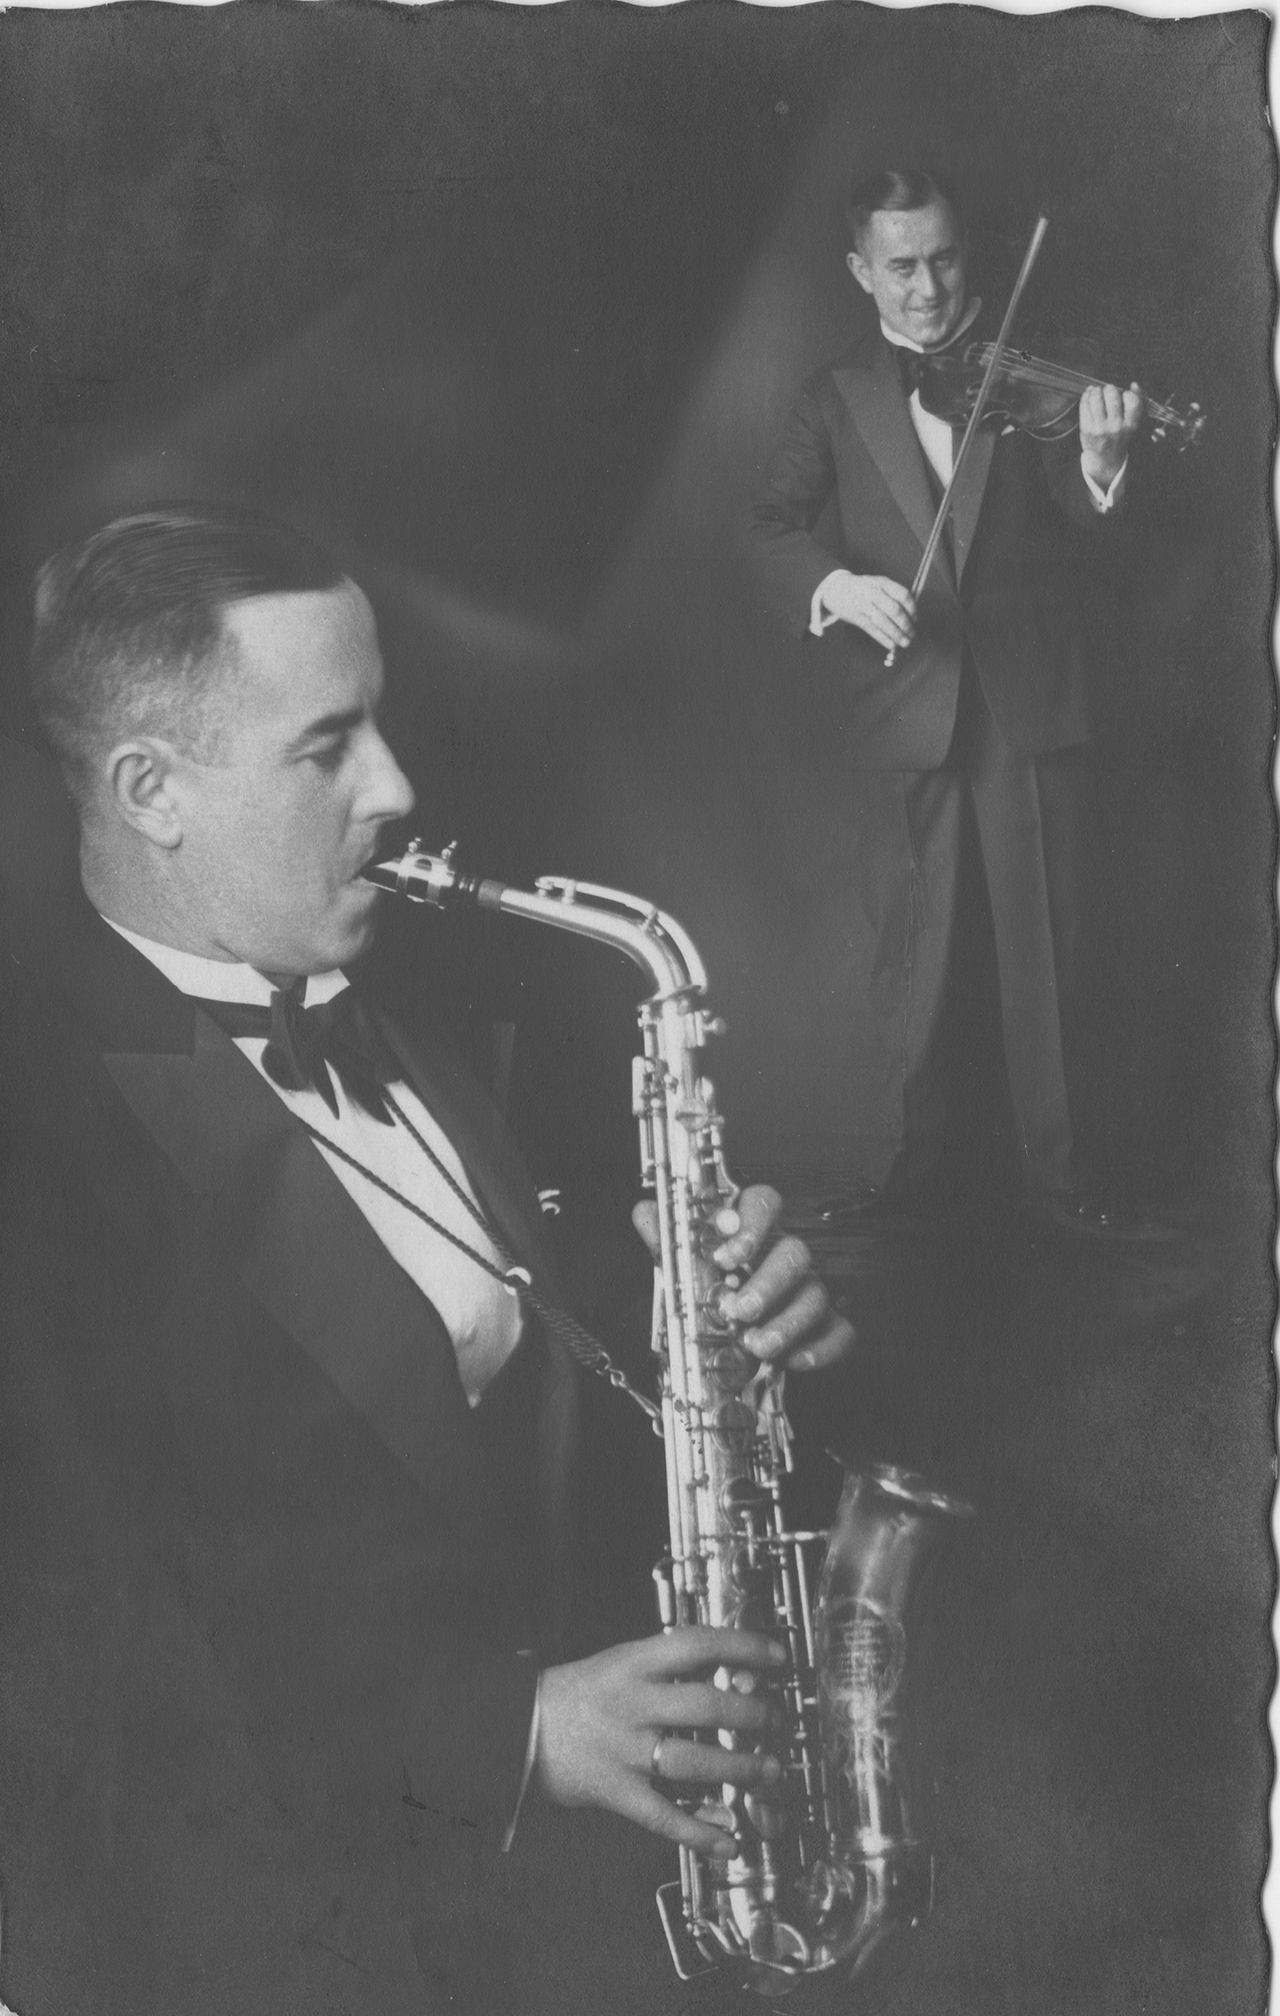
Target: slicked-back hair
pixel 129 635
pixel 897 189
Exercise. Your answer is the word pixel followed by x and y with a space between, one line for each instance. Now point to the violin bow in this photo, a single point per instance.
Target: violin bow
pixel 975 418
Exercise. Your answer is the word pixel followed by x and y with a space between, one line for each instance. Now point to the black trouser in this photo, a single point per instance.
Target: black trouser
pixel 926 849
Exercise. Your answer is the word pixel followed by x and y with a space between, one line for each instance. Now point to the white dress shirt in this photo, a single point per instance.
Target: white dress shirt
pixel 936 438
pixel 482 1316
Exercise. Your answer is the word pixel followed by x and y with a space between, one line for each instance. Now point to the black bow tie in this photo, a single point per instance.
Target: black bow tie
pixel 913 368
pixel 302 1043
pixel 916 367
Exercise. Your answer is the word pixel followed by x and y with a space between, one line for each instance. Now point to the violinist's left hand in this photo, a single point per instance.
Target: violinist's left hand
pixel 1109 421
pixel 785 1307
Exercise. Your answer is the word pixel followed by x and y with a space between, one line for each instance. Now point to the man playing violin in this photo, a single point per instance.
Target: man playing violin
pixel 959 746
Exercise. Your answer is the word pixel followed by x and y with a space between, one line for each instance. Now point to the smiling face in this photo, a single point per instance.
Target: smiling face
pixel 285 809
pixel 912 263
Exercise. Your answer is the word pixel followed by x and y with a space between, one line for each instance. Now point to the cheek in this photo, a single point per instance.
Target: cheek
pixel 273 848
pixel 314 839
pixel 285 834
pixel 229 838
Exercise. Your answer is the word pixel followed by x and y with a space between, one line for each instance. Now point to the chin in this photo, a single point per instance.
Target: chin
pixel 356 940
pixel 338 934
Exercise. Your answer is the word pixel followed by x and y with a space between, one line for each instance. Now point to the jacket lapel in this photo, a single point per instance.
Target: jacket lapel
pixel 871 389
pixel 275 1210
pixel 966 498
pixel 502 1188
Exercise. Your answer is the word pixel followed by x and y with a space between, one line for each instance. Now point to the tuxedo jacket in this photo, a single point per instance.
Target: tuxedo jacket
pixel 848 487
pixel 272 1596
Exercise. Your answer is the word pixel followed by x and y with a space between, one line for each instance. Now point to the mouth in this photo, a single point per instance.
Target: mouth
pixel 389 844
pixel 360 882
pixel 933 322
pixel 378 852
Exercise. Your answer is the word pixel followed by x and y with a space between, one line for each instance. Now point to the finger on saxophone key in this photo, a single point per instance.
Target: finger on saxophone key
pixel 746 1227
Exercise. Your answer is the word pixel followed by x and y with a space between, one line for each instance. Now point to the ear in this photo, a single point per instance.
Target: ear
pixel 860 270
pixel 141 780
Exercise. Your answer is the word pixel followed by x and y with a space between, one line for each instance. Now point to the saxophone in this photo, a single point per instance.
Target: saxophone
pixel 825 1877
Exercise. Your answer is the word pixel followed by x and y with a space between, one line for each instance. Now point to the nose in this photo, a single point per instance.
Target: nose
pixel 388 794
pixel 928 284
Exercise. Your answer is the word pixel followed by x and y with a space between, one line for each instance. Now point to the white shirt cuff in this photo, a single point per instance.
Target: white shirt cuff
pixel 1103 500
pixel 531 1752
pixel 820 617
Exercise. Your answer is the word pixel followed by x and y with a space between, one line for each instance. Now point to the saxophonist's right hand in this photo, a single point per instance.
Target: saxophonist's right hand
pixel 785 1313
pixel 600 1721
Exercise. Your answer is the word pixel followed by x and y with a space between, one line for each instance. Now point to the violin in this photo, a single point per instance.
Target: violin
pixel 1025 391
pixel 1034 394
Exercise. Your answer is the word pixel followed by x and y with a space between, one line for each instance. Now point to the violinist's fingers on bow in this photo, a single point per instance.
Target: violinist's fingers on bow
pixel 874 603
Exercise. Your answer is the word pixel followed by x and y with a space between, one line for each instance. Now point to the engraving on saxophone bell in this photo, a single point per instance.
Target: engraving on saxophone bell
pixel 873 1700
pixel 868 1652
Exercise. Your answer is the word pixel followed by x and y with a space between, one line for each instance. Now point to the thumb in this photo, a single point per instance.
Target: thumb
pixel 645 1219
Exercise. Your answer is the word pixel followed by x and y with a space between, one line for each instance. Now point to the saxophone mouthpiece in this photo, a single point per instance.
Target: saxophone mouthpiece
pixel 422 877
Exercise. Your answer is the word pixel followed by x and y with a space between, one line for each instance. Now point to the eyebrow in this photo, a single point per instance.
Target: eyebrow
pixel 328 725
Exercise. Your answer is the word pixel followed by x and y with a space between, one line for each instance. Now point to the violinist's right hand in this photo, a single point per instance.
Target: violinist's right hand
pixel 874 603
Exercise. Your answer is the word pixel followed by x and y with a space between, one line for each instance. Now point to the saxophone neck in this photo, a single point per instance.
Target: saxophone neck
pixel 655 942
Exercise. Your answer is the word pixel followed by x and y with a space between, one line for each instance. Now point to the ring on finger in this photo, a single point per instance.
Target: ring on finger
pixel 655 1767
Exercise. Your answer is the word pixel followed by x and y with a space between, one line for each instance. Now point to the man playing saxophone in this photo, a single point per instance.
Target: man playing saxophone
pixel 287 1466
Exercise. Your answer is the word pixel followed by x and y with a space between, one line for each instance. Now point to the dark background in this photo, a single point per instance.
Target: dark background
pixel 508 304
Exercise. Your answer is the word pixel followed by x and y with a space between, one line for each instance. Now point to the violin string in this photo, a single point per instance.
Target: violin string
pixel 1039 371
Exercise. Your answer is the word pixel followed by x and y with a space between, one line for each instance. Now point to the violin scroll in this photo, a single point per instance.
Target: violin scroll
pixel 1186 427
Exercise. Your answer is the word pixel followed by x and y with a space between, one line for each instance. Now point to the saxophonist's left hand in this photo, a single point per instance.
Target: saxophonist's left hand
pixel 785 1308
